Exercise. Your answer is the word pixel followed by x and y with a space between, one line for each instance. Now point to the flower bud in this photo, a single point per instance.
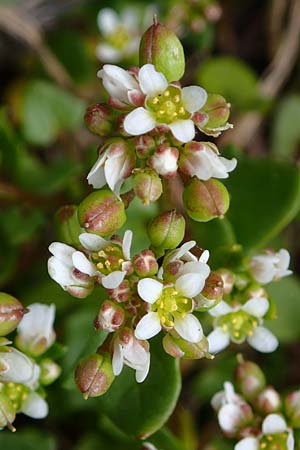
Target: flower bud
pixel 122 293
pixel 94 375
pixel 205 200
pixel 16 367
pixel 11 313
pixel 144 146
pixel 180 348
pixel 233 417
pixel 212 292
pixel 161 47
pixel 217 110
pixel 250 379
pixel 292 408
pixel 228 279
pixel 110 317
pixel 145 264
pixel 147 186
pixel 101 213
pixel 50 371
pixel 164 160
pixel 172 270
pixel 7 412
pixel 166 231
pixel 67 225
pixel 98 119
pixel 268 401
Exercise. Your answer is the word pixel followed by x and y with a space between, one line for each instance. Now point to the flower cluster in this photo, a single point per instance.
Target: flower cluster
pixel 143 297
pixel 152 126
pixel 256 415
pixel 25 370
pixel 239 316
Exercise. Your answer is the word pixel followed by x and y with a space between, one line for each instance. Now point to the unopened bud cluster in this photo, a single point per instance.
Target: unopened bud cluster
pixel 254 414
pixel 24 371
pixel 245 304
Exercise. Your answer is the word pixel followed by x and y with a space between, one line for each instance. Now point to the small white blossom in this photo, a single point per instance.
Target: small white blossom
pixel 34 406
pixel 16 367
pixel 270 266
pixel 249 326
pixel 132 352
pixel 273 425
pixel 35 331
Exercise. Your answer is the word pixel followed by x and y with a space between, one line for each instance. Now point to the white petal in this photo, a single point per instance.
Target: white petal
pixel 218 400
pixel 96 175
pixel 127 239
pixel 108 21
pixel 189 328
pixel 190 284
pixel 183 130
pixel 92 242
pixel 221 309
pixel 218 340
pixel 117 359
pixel 35 406
pixel 290 441
pixel 82 264
pixel 257 307
pixel 61 251
pixel 108 53
pixel 274 423
pixel 148 326
pixel 204 257
pixel 229 416
pixel 181 251
pixel 141 374
pixel 151 81
pixel 249 443
pixel 196 267
pixel 193 98
pixel 139 121
pixel 59 272
pixel 149 289
pixel 113 280
pixel 263 340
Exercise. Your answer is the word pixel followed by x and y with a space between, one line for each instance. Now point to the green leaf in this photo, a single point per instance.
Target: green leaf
pixel 141 409
pixel 18 226
pixel 232 78
pixel 164 439
pixel 47 110
pixel 265 197
pixel 27 439
pixel 286 295
pixel 286 131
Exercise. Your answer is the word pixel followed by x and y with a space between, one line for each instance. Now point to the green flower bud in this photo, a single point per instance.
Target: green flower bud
pixel 67 224
pixel 50 371
pixel 180 348
pixel 205 200
pixel 147 186
pixel 144 146
pixel 101 213
pixel 161 47
pixel 250 379
pixel 212 292
pixel 7 412
pixel 217 110
pixel 94 375
pixel 99 119
pixel 292 408
pixel 11 313
pixel 145 264
pixel 166 231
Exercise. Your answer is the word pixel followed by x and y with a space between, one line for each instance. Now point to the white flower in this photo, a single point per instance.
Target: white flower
pixel 270 266
pixel 241 323
pixel 233 411
pixel 35 331
pixel 34 406
pixel 202 159
pixel 69 266
pixel 16 367
pixel 133 353
pixel 164 160
pixel 113 165
pixel 171 306
pixel 274 428
pixel 166 105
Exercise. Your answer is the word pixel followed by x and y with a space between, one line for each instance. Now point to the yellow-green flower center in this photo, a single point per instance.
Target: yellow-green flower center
pixel 167 106
pixel 108 259
pixel 119 39
pixel 171 305
pixel 239 324
pixel 17 393
pixel 276 441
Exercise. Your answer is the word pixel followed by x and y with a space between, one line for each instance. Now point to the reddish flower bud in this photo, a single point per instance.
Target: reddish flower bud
pixel 122 293
pixel 228 279
pixel 147 186
pixel 212 292
pixel 11 313
pixel 144 146
pixel 166 231
pixel 110 317
pixel 98 119
pixel 94 375
pixel 250 379
pixel 145 264
pixel 205 200
pixel 102 213
pixel 268 401
pixel 292 408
